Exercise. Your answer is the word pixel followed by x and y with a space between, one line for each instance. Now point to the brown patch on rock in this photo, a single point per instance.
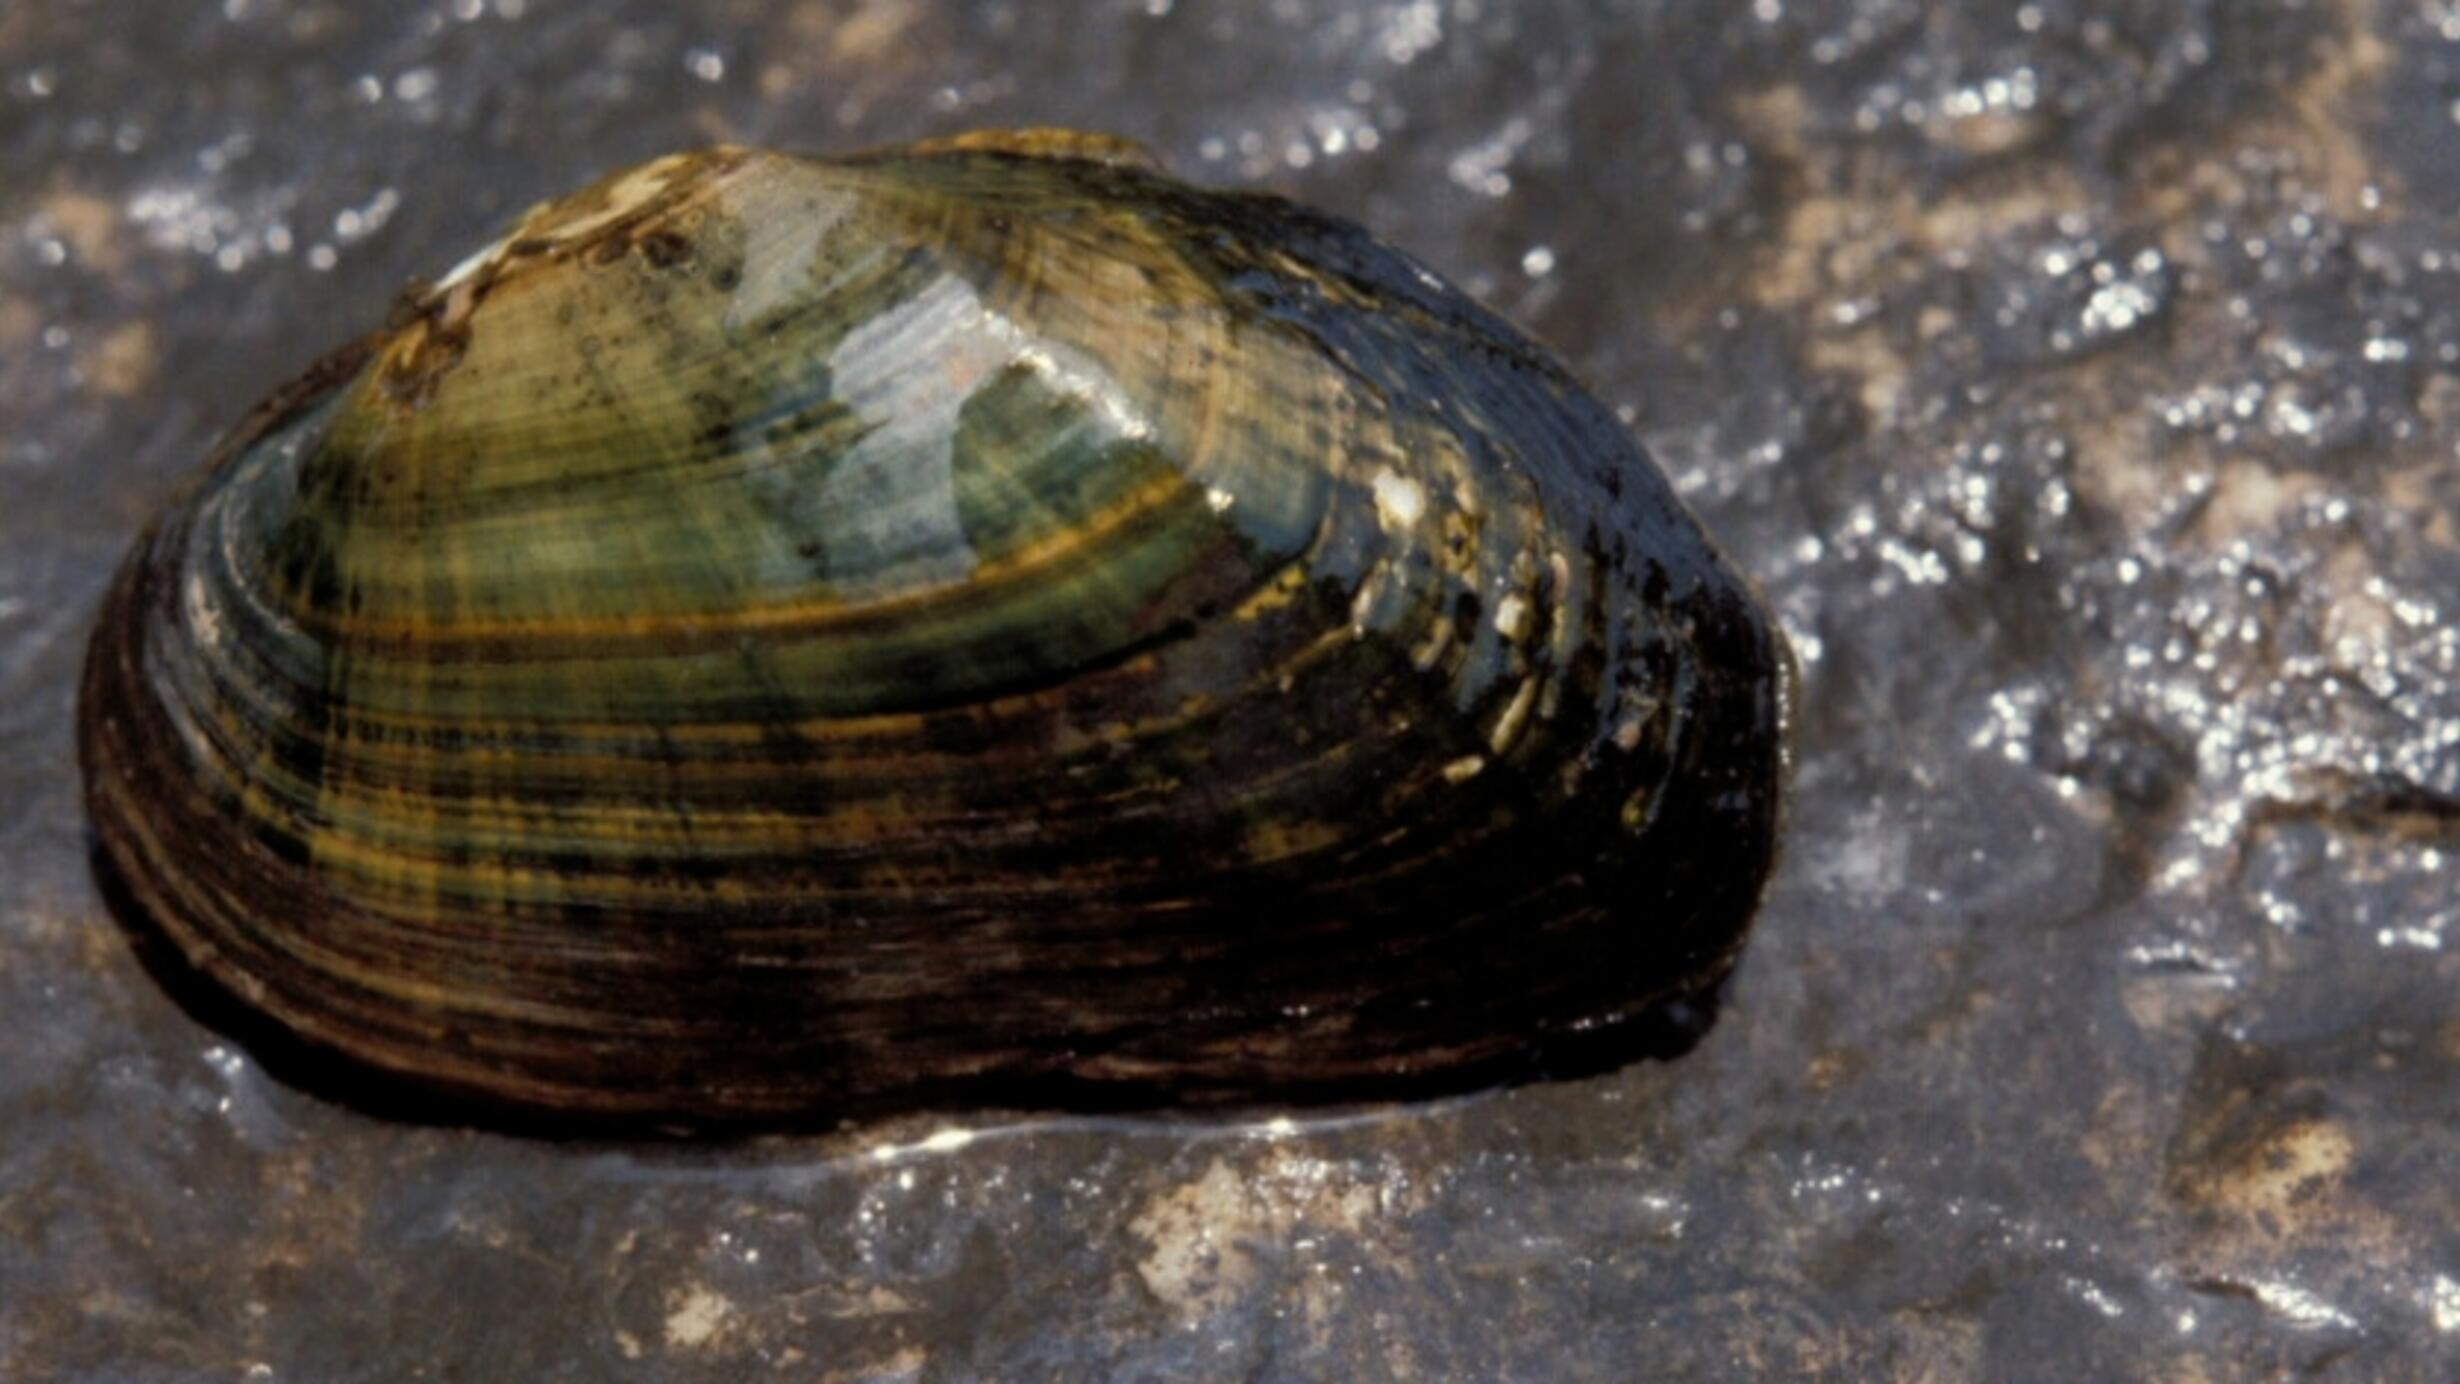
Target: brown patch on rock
pixel 1197 1261
pixel 1849 243
pixel 1841 240
pixel 1212 1240
pixel 904 1364
pixel 1870 358
pixel 122 362
pixel 697 1317
pixel 19 321
pixel 2284 1177
pixel 2316 128
pixel 857 33
pixel 89 225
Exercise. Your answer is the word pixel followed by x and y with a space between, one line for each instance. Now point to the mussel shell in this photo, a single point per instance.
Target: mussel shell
pixel 779 636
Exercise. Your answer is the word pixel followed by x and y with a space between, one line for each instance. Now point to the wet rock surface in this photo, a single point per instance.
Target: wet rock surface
pixel 2081 382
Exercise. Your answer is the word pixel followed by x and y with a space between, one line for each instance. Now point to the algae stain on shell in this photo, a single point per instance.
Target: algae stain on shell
pixel 773 636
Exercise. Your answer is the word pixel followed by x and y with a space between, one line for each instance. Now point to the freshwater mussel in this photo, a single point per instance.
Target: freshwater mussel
pixel 776 636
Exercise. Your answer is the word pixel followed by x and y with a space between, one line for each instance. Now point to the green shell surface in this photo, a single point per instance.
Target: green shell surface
pixel 775 636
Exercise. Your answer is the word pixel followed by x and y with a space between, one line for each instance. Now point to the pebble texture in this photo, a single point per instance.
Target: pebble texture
pixel 2080 381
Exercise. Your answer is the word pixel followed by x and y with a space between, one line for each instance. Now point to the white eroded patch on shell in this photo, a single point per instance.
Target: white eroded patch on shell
pixel 204 621
pixel 551 225
pixel 781 254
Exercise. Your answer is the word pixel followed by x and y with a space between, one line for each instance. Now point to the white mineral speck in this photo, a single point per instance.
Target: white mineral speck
pixel 1399 501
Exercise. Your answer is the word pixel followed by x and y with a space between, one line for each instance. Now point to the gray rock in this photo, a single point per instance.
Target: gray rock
pixel 2082 382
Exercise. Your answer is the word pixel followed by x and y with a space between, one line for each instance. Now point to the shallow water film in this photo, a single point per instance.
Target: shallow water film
pixel 2080 383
